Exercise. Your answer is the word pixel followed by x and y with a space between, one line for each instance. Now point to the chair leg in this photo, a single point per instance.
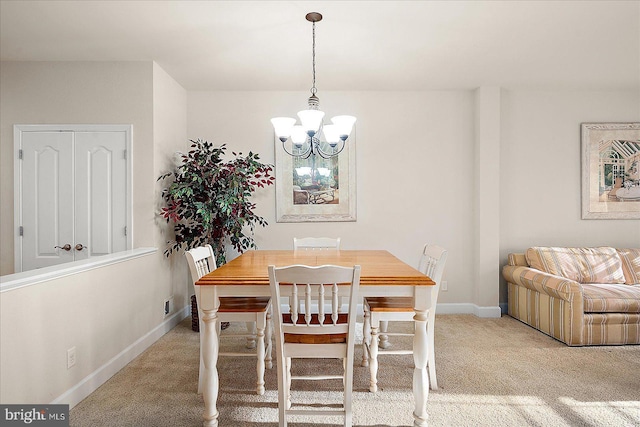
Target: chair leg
pixel 373 360
pixel 348 392
pixel 384 338
pixel 344 372
pixel 287 386
pixel 366 337
pixel 431 363
pixel 201 369
pixel 282 392
pixel 267 338
pixel 260 327
pixel 251 328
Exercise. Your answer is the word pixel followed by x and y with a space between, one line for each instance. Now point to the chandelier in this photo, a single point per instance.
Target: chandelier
pixel 311 136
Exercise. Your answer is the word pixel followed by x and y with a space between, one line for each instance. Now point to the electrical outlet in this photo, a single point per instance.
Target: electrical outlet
pixel 71 357
pixel 168 306
pixel 443 287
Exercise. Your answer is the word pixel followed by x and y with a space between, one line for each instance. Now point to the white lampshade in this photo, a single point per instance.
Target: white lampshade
pixel 283 127
pixel 344 124
pixel 331 134
pixel 311 120
pixel 298 135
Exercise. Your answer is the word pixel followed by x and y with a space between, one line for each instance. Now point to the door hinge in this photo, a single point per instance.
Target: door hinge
pixel 20 154
pixel 125 154
pixel 125 230
pixel 21 230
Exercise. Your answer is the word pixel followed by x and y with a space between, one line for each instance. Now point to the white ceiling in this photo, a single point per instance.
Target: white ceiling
pixel 361 45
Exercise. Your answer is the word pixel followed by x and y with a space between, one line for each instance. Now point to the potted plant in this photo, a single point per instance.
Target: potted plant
pixel 208 199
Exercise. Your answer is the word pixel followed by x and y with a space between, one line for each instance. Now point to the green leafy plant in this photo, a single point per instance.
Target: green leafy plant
pixel 208 199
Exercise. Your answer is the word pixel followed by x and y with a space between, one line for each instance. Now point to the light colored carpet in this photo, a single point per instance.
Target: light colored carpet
pixel 491 372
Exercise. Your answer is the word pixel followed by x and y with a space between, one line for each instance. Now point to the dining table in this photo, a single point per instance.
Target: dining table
pixel 382 274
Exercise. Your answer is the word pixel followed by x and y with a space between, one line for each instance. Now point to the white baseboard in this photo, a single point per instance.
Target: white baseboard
pixel 468 308
pixel 456 308
pixel 91 382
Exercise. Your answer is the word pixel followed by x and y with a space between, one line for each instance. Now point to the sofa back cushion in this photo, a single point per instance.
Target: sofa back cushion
pixel 584 265
pixel 630 265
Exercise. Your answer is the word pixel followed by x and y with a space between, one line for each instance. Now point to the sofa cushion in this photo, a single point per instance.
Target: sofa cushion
pixel 584 265
pixel 618 298
pixel 630 265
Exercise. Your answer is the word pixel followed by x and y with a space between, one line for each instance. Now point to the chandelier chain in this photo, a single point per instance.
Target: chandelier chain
pixel 313 50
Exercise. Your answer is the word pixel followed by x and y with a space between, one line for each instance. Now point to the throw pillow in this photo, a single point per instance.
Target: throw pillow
pixel 630 265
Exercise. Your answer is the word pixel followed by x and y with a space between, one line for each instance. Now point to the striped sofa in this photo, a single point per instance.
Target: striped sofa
pixel 580 296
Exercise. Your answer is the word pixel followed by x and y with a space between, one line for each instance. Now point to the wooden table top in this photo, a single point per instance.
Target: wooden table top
pixel 377 267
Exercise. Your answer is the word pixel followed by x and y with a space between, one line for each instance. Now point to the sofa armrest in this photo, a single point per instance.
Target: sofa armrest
pixel 552 304
pixel 545 283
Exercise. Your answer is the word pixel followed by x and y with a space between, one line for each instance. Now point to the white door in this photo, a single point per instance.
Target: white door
pixel 47 198
pixel 100 205
pixel 73 194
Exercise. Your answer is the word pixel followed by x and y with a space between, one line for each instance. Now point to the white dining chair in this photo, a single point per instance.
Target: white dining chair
pixel 254 311
pixel 380 310
pixel 310 332
pixel 315 243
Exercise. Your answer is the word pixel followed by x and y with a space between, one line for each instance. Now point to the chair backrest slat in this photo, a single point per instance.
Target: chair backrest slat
pixel 335 303
pixel 295 303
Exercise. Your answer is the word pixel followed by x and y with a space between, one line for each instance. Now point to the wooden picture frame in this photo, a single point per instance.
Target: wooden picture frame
pixel 610 170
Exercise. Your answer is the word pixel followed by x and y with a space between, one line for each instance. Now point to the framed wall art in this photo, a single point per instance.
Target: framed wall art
pixel 316 189
pixel 611 171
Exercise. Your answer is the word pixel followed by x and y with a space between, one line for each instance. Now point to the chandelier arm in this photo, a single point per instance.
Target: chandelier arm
pixel 307 152
pixel 326 155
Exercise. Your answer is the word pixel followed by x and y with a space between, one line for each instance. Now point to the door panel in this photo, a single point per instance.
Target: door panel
pixel 47 198
pixel 72 187
pixel 100 199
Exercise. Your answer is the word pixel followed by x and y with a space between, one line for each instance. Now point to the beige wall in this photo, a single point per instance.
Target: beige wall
pixel 100 312
pixel 169 136
pixel 112 313
pixel 540 167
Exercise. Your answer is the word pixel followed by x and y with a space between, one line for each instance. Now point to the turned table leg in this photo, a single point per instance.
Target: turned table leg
pixel 210 355
pixel 420 374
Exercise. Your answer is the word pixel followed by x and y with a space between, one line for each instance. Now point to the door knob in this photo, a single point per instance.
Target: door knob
pixel 66 247
pixel 80 247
